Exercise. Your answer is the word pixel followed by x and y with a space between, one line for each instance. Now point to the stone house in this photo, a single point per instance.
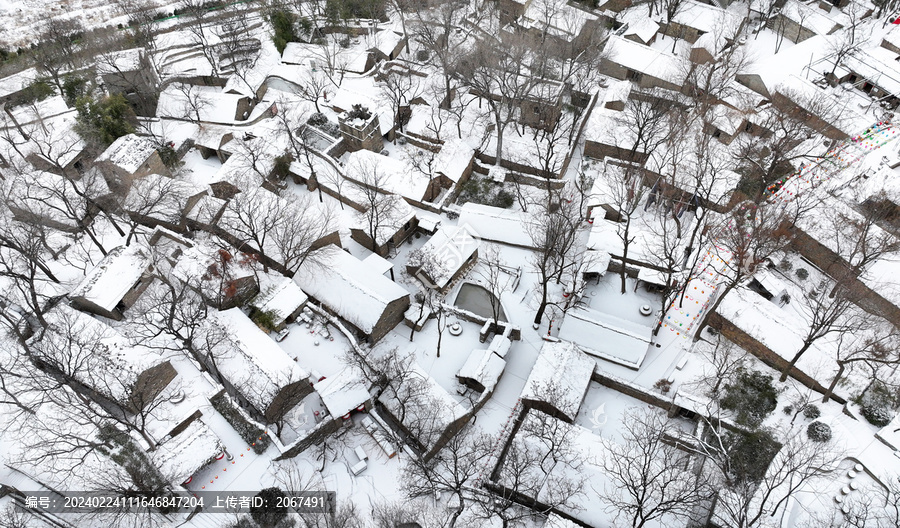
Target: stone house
pixel 370 303
pixel 130 158
pixel 116 283
pixel 257 373
pixel 396 225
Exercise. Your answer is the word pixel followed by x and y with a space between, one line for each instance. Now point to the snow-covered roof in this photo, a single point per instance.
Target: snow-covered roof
pixel 128 152
pixel 257 366
pixel 13 83
pixel 345 285
pixel 120 61
pixel 811 18
pixel 283 298
pixel 496 224
pixel 772 70
pixel 391 219
pixel 378 264
pixel 643 28
pixel 560 377
pixel 500 345
pixel 301 53
pixel 207 209
pixel 823 104
pixel 878 66
pixel 106 361
pixel 385 41
pixel 607 336
pixel 161 197
pixel 644 59
pixel 449 249
pixel 453 159
pixel 617 91
pixel 755 316
pixel 423 396
pixel 705 17
pixel 391 175
pixel 483 366
pixel 111 279
pixel 343 392
pixel 558 17
pixel 209 102
pixel 183 455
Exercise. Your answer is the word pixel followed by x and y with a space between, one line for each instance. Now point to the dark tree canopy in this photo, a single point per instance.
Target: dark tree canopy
pixel 268 514
pixel 105 120
pixel 751 396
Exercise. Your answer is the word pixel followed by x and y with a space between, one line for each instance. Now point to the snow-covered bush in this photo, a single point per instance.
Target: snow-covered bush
pixel 663 386
pixel 785 265
pixel 819 432
pixel 812 412
pixel 877 404
pixel 802 273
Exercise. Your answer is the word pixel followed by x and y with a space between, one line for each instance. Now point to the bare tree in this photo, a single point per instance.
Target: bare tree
pixel 626 195
pixel 193 102
pixel 238 49
pixel 650 481
pixel 58 47
pixel 200 25
pixel 381 208
pixel 746 237
pixel 553 233
pixel 493 276
pixel 825 315
pixel 399 89
pixel 872 351
pixel 452 470
pixel 496 74
pixel 540 472
pixel 726 360
pixel 747 502
pixel 279 229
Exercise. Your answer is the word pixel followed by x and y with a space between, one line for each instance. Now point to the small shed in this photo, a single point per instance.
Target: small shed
pixel 284 299
pixel 193 448
pixel 445 257
pixel 131 157
pixel 344 393
pixel 481 371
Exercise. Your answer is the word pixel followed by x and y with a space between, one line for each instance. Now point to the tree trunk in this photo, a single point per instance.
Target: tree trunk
pixel 787 370
pixel 622 273
pixel 834 382
pixel 540 312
